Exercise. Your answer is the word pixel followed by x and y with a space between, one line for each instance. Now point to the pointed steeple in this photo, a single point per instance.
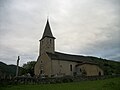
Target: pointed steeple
pixel 47 31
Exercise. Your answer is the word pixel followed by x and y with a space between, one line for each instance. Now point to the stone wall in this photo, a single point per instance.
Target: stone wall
pixel 63 67
pixel 32 80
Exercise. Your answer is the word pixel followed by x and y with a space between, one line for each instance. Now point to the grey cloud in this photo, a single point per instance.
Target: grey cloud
pixel 89 27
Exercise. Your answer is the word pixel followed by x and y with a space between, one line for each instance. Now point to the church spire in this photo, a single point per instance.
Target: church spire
pixel 47 31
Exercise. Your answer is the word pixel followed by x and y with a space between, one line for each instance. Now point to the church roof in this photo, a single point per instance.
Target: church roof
pixel 86 63
pixel 47 31
pixel 68 57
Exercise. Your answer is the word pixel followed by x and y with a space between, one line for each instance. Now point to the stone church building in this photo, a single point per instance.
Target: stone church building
pixel 51 63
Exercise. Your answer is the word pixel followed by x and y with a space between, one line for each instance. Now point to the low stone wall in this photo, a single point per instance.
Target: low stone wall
pixel 65 79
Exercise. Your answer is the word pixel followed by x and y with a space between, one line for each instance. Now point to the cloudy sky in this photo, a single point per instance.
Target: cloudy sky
pixel 82 27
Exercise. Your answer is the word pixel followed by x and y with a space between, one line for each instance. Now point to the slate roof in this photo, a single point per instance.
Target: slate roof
pixel 86 63
pixel 47 31
pixel 68 57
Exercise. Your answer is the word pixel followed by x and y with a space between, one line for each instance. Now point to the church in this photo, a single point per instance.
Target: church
pixel 56 64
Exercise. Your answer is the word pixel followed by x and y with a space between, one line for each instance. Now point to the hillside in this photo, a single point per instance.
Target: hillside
pixel 7 69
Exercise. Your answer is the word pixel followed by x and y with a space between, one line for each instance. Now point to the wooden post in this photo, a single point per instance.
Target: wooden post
pixel 17 68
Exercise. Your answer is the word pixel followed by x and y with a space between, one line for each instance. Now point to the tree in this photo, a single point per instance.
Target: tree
pixel 28 68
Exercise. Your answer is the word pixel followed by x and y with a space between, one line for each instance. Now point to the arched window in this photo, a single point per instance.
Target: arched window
pixel 99 73
pixel 41 61
pixel 70 67
pixel 80 70
pixel 41 72
pixel 50 41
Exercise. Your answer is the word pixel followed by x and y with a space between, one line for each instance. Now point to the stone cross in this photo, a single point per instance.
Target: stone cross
pixel 17 68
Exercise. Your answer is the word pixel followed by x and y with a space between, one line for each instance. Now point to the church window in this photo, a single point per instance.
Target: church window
pixel 41 72
pixel 50 41
pixel 80 70
pixel 41 61
pixel 70 67
pixel 99 73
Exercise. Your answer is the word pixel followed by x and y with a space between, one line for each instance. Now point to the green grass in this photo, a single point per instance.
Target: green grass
pixel 107 84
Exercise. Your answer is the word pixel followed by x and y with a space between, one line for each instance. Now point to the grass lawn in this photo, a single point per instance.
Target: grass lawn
pixel 107 84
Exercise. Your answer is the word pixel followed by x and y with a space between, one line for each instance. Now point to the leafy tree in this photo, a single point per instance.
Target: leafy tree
pixel 28 68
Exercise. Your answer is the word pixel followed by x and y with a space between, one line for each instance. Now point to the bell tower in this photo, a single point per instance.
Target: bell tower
pixel 47 41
